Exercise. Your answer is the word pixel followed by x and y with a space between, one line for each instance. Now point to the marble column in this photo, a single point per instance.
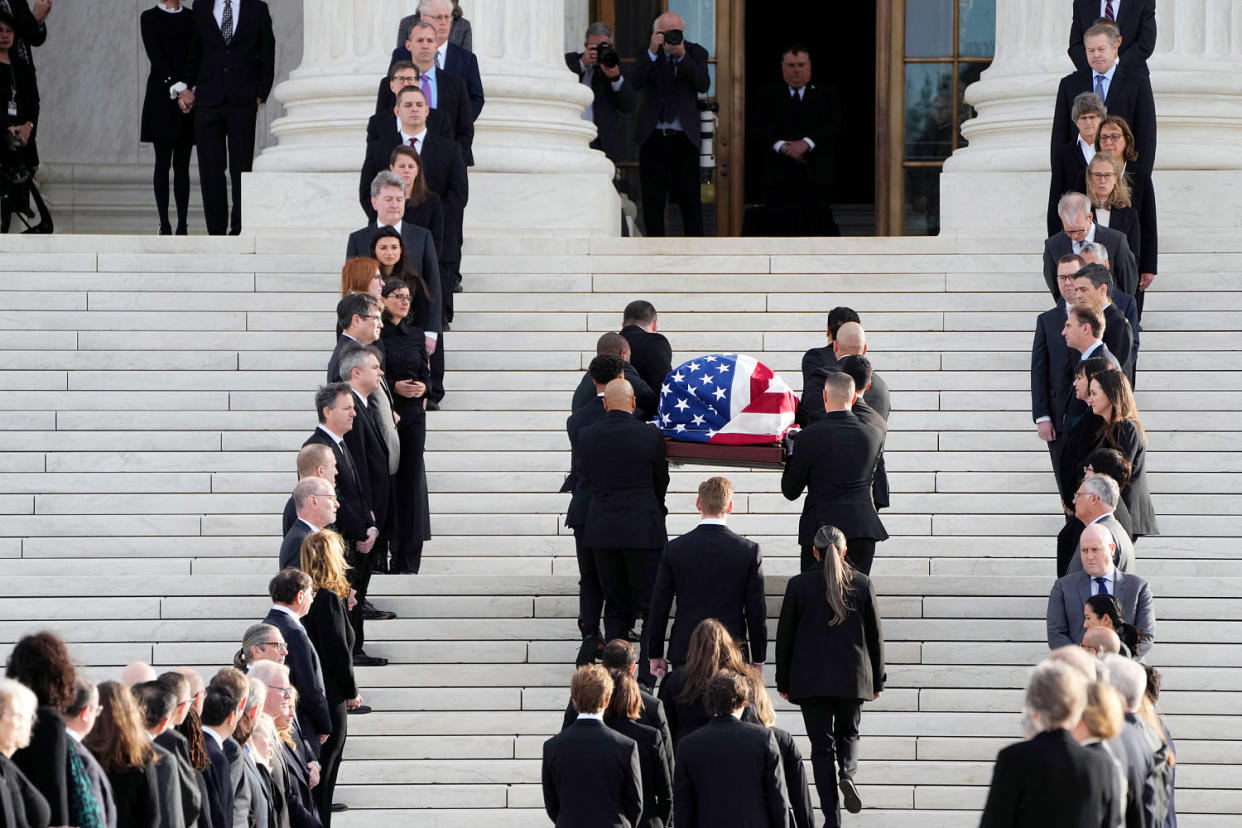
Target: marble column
pixel 533 173
pixel 1196 76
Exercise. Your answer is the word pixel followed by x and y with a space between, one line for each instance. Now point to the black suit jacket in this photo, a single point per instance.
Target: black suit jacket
pixel 672 90
pixel 834 460
pixel 219 787
pixel 460 62
pixel 650 354
pixel 588 414
pixel 291 546
pixel 44 761
pixel 1140 806
pixel 353 514
pixel 655 761
pixel 796 789
pixel 622 462
pixel 785 117
pixel 729 773
pixel 814 658
pixel 421 256
pixel 298 800
pixel 452 111
pixel 715 573
pixel 191 800
pixel 1136 20
pixel 1132 444
pixel 370 454
pixel 1121 260
pixel 869 416
pixel 1069 175
pixel 137 794
pixel 1129 96
pixel 328 628
pixel 592 777
pixel 645 396
pixel 1125 220
pixel 234 73
pixel 1049 780
pixel 1051 387
pixel 608 103
pixel 306 675
pixel 169 807
pixel 816 363
pixel 1143 196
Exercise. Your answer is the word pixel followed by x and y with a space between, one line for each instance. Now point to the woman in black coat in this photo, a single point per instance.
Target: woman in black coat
pixel 1069 161
pixel 20 92
pixel 829 660
pixel 1081 435
pixel 123 749
pixel 328 628
pixel 422 206
pixel 42 663
pixel 405 366
pixel 1110 199
pixel 167 30
pixel 1110 398
pixel 1114 137
pixel 655 758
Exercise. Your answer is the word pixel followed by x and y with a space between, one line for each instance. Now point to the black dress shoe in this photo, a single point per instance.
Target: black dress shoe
pixel 360 710
pixel 457 288
pixel 849 795
pixel 364 660
pixel 448 326
pixel 589 652
pixel 165 229
pixel 432 405
pixel 181 231
pixel 337 807
pixel 378 615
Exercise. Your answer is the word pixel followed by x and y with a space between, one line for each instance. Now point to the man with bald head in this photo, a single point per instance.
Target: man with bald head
pixel 849 339
pixel 1101 641
pixel 671 76
pixel 137 672
pixel 1098 576
pixel 622 463
pixel 614 344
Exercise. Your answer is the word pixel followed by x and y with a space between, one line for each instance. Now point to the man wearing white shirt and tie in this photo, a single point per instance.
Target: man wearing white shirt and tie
pixel 1098 576
pixel 1078 229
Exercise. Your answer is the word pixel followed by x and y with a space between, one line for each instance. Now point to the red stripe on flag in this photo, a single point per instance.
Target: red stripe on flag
pixel 771 404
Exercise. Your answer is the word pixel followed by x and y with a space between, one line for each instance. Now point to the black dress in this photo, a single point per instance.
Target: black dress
pixel 166 37
pixel 430 216
pixel 17 85
pixel 405 358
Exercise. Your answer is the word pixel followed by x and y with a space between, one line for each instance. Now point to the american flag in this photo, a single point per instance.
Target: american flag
pixel 727 399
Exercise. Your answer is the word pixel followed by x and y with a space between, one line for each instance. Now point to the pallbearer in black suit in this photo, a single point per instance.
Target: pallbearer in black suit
pixel 1135 20
pixel 614 344
pixel 1050 779
pixel 728 772
pixel 859 369
pixel 800 122
pixel 230 68
pixel 829 660
pixel 816 359
pixel 714 573
pixel 655 752
pixel 650 352
pixel 315 502
pixel 673 73
pixel 292 592
pixel 623 464
pixel 603 370
pixel 167 29
pixel 834 461
pixel 612 92
pixel 591 773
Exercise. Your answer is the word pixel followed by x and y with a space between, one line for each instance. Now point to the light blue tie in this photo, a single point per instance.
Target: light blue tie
pixel 1099 85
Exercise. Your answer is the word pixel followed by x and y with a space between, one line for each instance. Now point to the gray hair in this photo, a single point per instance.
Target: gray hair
pixel 1098 250
pixel 420 24
pixel 256 693
pixel 424 6
pixel 1103 487
pixel 387 178
pixel 306 487
pixel 16 696
pixel 265 671
pixel 1129 677
pixel 1086 103
pixel 1081 660
pixel 599 27
pixel 1073 204
pixel 255 635
pixel 1057 693
pixel 355 357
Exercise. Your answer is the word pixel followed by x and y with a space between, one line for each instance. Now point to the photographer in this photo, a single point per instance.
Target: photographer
pixel 19 117
pixel 599 67
pixel 674 74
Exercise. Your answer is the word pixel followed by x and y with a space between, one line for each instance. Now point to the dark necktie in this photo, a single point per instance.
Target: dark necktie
pixel 1108 11
pixel 226 23
pixel 1103 586
pixel 414 144
pixel 83 809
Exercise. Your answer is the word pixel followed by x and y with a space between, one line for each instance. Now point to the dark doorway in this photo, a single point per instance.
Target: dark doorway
pixel 842 40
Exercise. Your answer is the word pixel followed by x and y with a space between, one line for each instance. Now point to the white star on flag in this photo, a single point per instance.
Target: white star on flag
pixel 698 419
pixel 664 389
pixel 707 380
pixel 680 427
pixel 719 393
pixel 694 366
pixel 678 377
pixel 709 358
pixel 682 405
pixel 723 368
pixel 710 434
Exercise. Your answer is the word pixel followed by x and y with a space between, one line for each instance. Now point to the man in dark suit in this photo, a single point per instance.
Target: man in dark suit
pixel 1092 285
pixel 834 460
pixel 591 774
pixel 1098 574
pixel 614 344
pixel 1096 253
pixel 650 353
pixel 612 92
pixel 192 804
pixel 229 72
pixel 859 369
pixel 618 656
pixel 816 358
pixel 673 72
pixel 222 707
pixel 714 573
pixel 157 707
pixel 80 720
pixel 622 462
pixel 315 501
pixel 1126 91
pixel 1079 229
pixel 446 93
pixel 1051 382
pixel 799 123
pixel 355 516
pixel 449 56
pixel 1083 332
pixel 291 594
pixel 1130 680
pixel 1094 504
pixel 1134 19
pixel 728 772
pixel 603 370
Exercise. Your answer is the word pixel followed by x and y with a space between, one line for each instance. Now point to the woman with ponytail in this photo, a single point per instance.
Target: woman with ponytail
pixel 829 660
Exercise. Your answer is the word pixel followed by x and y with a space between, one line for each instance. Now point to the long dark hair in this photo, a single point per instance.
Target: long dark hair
pixel 399 270
pixel 192 730
pixel 1107 606
pixel 1116 387
pixel 41 662
pixel 418 188
pixel 711 649
pixel 838 574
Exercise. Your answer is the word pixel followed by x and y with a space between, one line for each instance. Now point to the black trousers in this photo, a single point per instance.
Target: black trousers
pixel 627 577
pixel 860 552
pixel 450 276
pixel 590 593
pixel 832 727
pixel 409 521
pixel 668 167
pixel 330 763
pixel 225 138
pixel 799 207
pixel 359 577
pixel 435 388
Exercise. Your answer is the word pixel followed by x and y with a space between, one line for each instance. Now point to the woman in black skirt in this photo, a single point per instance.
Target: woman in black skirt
pixel 166 33
pixel 405 365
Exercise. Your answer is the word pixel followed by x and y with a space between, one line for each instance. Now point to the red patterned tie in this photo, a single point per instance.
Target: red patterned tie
pixel 1108 11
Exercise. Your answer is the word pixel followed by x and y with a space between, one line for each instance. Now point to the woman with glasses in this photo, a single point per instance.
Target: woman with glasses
pixel 408 375
pixel 328 628
pixel 1110 199
pixel 1115 138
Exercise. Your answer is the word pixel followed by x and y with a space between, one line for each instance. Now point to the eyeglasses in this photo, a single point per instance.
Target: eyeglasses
pixel 285 692
pixel 400 297
pixel 281 647
pixel 371 316
pixel 326 496
pixel 439 17
pixel 1110 137
pixel 407 80
pixel 1104 175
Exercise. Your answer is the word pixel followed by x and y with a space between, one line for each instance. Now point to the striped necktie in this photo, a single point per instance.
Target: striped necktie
pixel 1108 11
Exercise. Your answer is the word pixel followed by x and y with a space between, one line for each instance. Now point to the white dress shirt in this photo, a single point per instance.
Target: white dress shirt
pixel 1110 578
pixel 218 13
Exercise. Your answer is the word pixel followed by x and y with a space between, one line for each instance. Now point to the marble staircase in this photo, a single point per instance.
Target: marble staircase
pixel 155 392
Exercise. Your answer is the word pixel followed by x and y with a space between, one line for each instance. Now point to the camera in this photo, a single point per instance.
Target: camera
pixel 674 37
pixel 606 55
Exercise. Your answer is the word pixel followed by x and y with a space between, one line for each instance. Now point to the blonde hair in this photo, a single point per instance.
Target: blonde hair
pixel 759 696
pixel 1104 713
pixel 1120 195
pixel 323 559
pixel 714 495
